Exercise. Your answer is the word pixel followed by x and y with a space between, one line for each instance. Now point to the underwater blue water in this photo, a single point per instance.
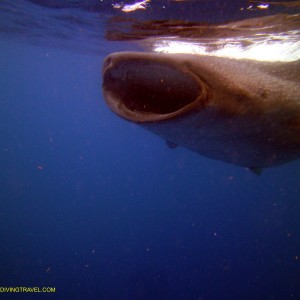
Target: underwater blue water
pixel 99 208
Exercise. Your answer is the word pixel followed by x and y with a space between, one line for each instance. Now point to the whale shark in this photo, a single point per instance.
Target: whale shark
pixel 242 111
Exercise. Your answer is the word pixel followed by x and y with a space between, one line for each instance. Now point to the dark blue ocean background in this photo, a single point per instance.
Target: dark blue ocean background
pixel 100 208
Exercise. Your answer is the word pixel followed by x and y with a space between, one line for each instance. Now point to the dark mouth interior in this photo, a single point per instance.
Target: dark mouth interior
pixel 149 86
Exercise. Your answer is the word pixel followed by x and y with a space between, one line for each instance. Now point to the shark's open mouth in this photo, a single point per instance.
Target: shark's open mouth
pixel 145 89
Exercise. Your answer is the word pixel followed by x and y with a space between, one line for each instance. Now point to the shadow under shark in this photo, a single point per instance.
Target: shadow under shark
pixel 241 111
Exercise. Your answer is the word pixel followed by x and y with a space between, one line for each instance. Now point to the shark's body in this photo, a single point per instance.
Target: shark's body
pixel 240 111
